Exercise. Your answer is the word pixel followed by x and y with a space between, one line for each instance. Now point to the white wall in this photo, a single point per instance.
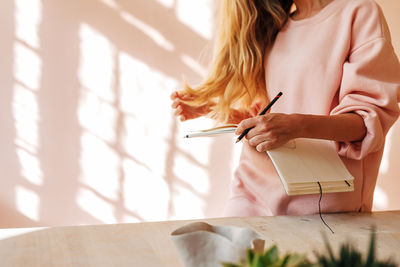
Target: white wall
pixel 87 133
pixel 387 193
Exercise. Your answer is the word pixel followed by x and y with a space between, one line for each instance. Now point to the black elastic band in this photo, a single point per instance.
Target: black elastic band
pixel 319 207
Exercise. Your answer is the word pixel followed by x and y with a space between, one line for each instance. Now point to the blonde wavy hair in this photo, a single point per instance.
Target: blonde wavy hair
pixel 236 78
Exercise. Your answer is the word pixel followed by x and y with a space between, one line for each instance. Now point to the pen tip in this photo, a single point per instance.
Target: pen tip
pixel 237 141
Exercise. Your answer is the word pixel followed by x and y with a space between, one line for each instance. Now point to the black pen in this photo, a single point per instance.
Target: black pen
pixel 262 113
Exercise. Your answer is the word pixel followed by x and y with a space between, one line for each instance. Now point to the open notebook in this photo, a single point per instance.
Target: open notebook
pixel 228 128
pixel 302 163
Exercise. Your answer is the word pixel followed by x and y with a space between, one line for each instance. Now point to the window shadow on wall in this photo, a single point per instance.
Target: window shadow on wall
pixel 98 157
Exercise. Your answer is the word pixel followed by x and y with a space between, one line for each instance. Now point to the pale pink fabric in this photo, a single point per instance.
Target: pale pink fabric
pixel 340 60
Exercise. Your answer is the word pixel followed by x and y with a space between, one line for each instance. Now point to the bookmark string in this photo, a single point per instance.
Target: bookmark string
pixel 319 207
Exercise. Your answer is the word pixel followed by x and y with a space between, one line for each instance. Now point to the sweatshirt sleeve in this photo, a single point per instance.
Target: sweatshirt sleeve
pixel 370 85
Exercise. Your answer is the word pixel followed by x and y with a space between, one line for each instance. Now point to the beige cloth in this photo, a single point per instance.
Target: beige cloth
pixel 203 245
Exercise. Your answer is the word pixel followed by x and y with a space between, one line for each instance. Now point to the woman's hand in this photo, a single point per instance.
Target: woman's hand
pixel 185 111
pixel 275 129
pixel 271 130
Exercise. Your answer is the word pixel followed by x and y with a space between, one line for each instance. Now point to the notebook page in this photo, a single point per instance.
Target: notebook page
pixel 229 128
pixel 309 160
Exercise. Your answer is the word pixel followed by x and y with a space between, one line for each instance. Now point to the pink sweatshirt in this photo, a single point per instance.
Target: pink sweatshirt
pixel 340 60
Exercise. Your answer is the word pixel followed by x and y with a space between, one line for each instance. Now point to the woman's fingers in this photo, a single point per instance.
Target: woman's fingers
pixel 271 130
pixel 178 111
pixel 266 145
pixel 175 103
pixel 258 139
pixel 264 142
pixel 187 111
pixel 181 95
pixel 174 95
pixel 244 124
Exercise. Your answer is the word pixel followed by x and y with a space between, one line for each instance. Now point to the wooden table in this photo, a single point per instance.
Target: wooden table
pixel 148 244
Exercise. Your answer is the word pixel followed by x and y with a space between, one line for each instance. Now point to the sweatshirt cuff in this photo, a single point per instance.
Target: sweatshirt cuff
pixel 371 142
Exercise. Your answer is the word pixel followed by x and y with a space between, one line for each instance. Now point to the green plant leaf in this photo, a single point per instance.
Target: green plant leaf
pixel 348 256
pixel 298 261
pixel 271 256
pixel 371 251
pixel 285 260
pixel 330 251
pixel 250 255
pixel 225 264
pixel 257 261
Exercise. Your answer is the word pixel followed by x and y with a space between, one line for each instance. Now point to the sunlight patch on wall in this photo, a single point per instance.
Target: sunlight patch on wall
pixel 28 15
pixel 100 166
pixel 96 69
pixel 384 167
pixel 27 202
pixel 144 94
pixel 27 70
pixel 97 116
pixel 166 3
pixel 30 167
pixel 381 199
pixel 194 65
pixel 25 109
pixel 146 193
pixel 191 171
pixel 27 66
pixel 198 15
pixel 99 161
pixel 186 204
pixel 145 146
pixel 151 32
pixel 125 112
pixel 196 177
pixel 111 3
pixel 127 218
pixel 95 206
pixel 27 73
pixel 199 147
pixel 144 89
